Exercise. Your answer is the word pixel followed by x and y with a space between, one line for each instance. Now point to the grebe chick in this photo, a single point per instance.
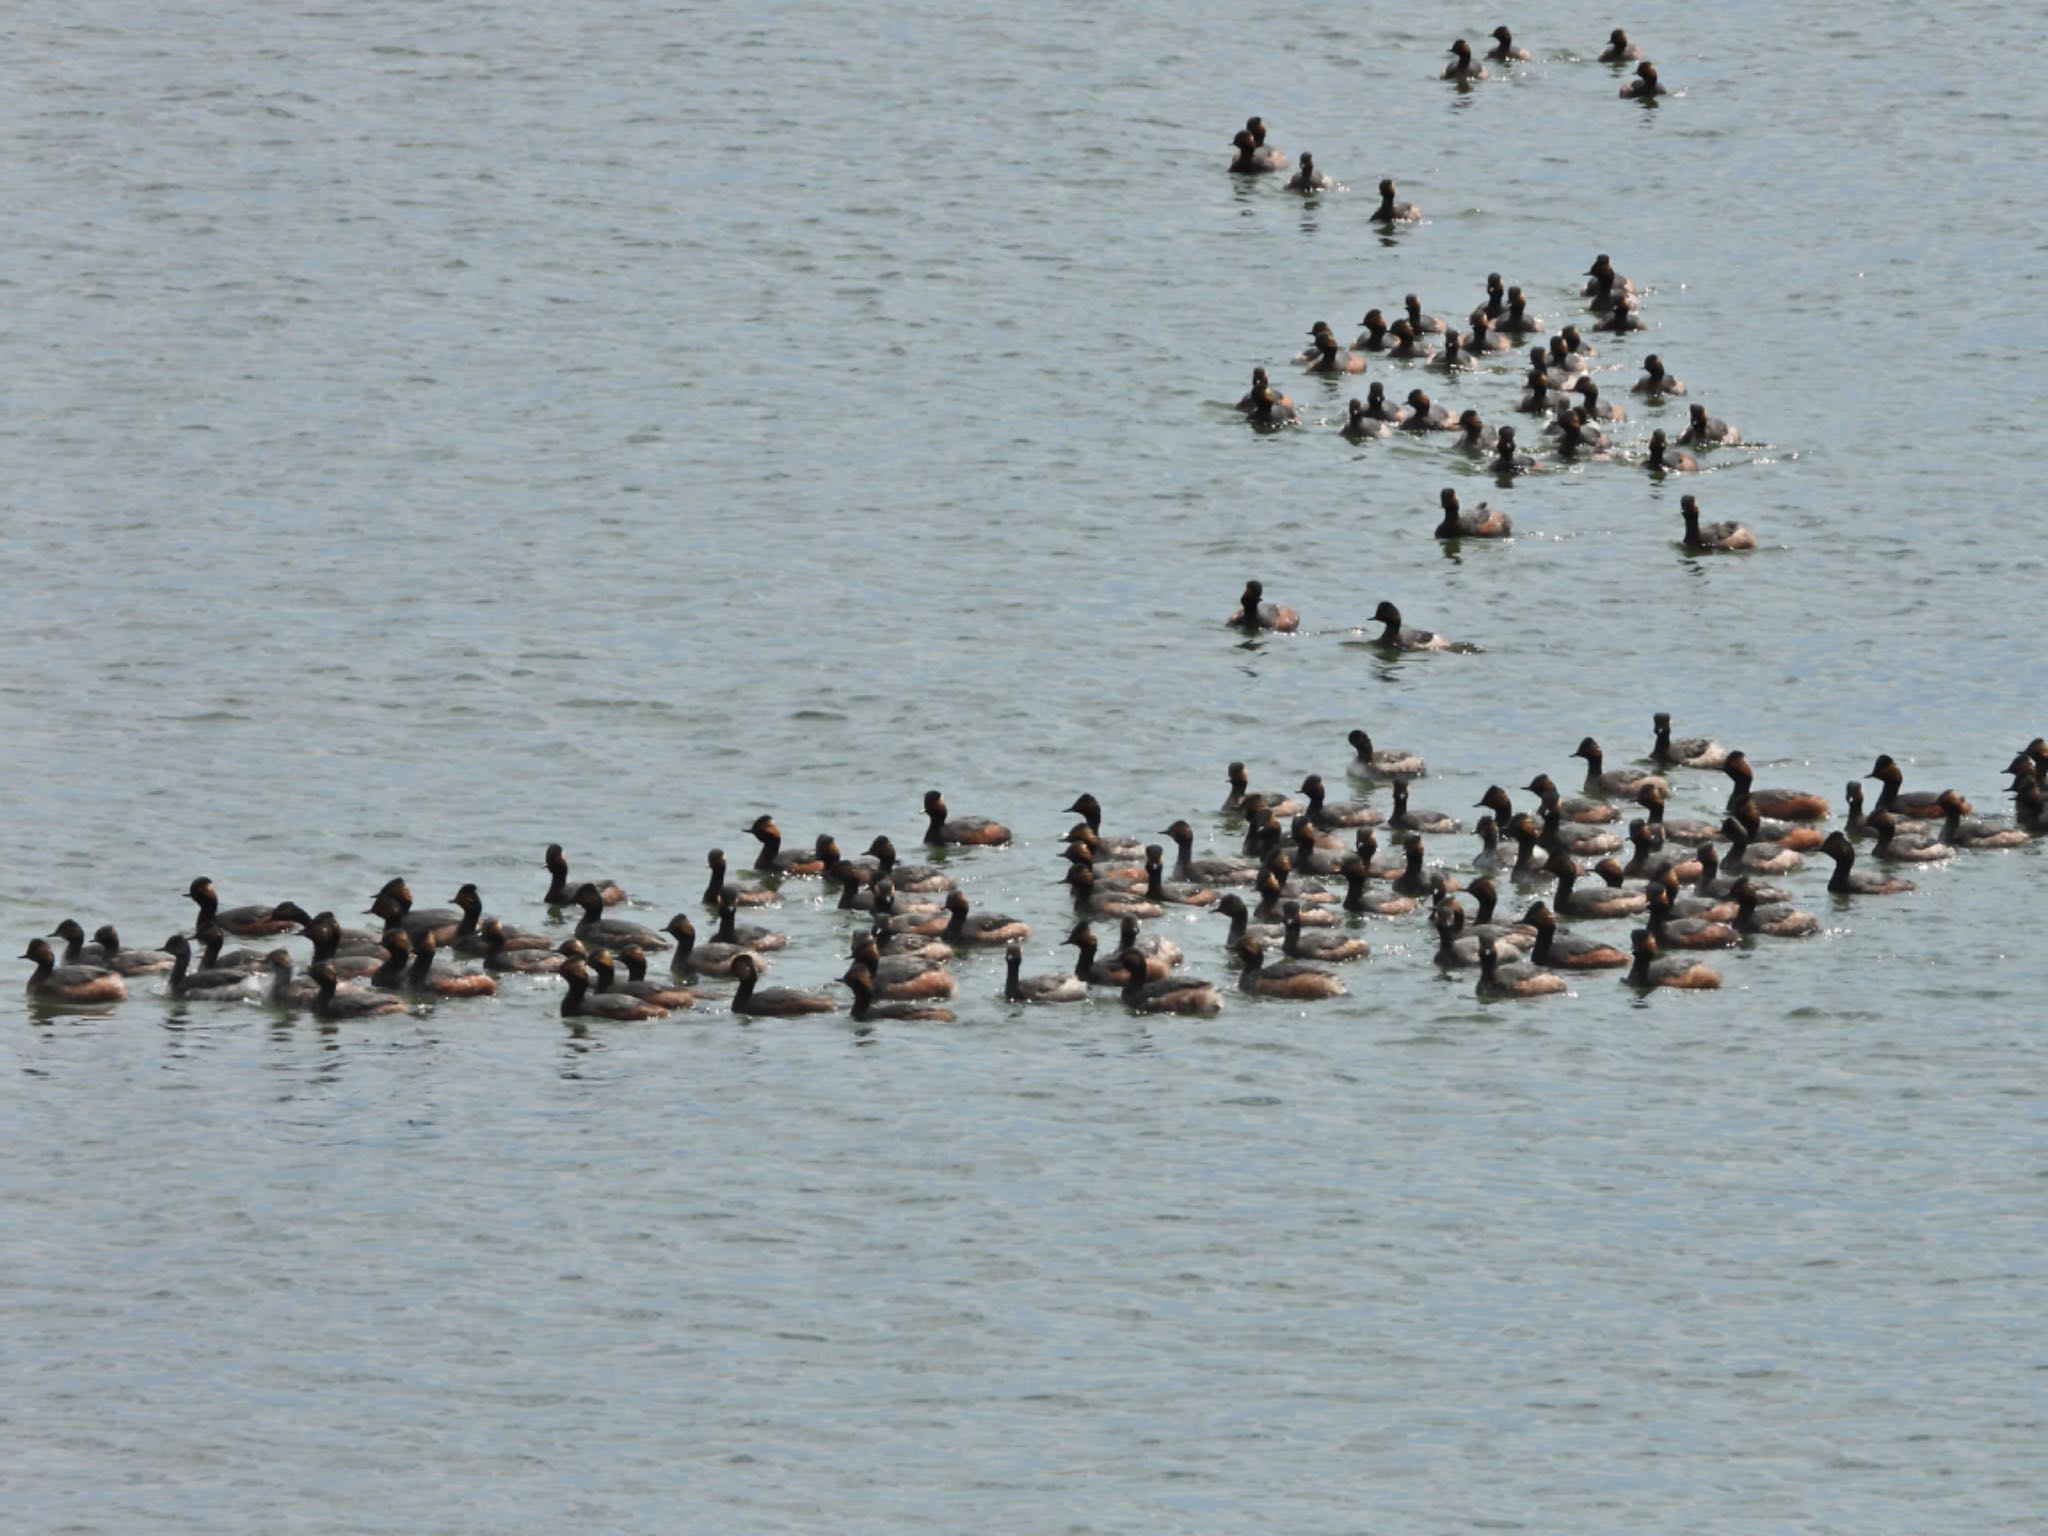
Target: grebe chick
pixel 1271 409
pixel 1568 951
pixel 1625 316
pixel 499 957
pixel 1655 381
pixel 76 950
pixel 1254 613
pixel 1596 901
pixel 422 979
pixel 1673 932
pixel 1623 782
pixel 561 890
pixel 911 879
pixel 580 1002
pixel 610 932
pixel 1358 425
pixel 335 1002
pixel 1689 830
pixel 1173 994
pixel 1019 988
pixel 73 983
pixel 1711 536
pixel 1704 431
pixel 1373 762
pixel 1435 823
pixel 1648 970
pixel 1483 522
pixel 1396 636
pixel 969 831
pixel 1207 871
pixel 1500 980
pixel 1645 86
pixel 1391 211
pixel 1408 345
pixel 1894 849
pixel 1958 830
pixel 1847 880
pixel 770 859
pixel 1666 460
pixel 213 986
pixel 1749 852
pixel 1474 435
pixel 1325 356
pixel 1308 178
pixel 1776 921
pixel 1683 752
pixel 1422 324
pixel 1776 804
pixel 1922 804
pixel 1327 814
pixel 1424 415
pixel 1302 943
pixel 1292 979
pixel 1260 383
pixel 635 983
pixel 776 1002
pixel 1507 461
pixel 127 962
pixel 1504 48
pixel 1619 50
pixel 1463 68
pixel 242 922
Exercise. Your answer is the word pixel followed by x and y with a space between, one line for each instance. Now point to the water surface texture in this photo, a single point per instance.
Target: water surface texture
pixel 433 432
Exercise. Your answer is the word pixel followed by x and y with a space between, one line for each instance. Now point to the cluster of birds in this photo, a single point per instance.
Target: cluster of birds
pixel 1307 879
pixel 1254 156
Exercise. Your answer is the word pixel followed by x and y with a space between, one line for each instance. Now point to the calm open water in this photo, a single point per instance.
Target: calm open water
pixel 434 432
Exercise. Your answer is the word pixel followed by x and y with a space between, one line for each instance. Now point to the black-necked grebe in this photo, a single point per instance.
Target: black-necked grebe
pixel 1578 440
pixel 1273 410
pixel 1704 537
pixel 692 958
pixel 776 1002
pixel 1893 848
pixel 1358 425
pixel 1396 636
pixel 423 979
pixel 581 1002
pixel 1568 951
pixel 1253 612
pixel 1675 932
pixel 1619 49
pixel 1750 849
pixel 770 858
pixel 1019 988
pixel 1207 871
pixel 902 974
pixel 908 878
pixel 1507 460
pixel 1922 804
pixel 964 926
pixel 970 831
pixel 1463 68
pixel 720 881
pixel 243 922
pixel 1255 157
pixel 1516 321
pixel 1689 830
pixel 1324 355
pixel 1623 782
pixel 1291 979
pixel 1504 48
pixel 1241 795
pixel 1374 337
pixel 1655 381
pixel 1667 460
pixel 1392 211
pixel 127 962
pixel 1591 406
pixel 1408 345
pixel 1649 970
pixel 1958 828
pixel 1308 178
pixel 1645 86
pixel 219 985
pixel 595 928
pixel 1500 980
pixel 1260 382
pixel 1327 814
pixel 1600 900
pixel 1625 316
pixel 499 957
pixel 1683 752
pixel 1776 921
pixel 561 890
pixel 336 1002
pixel 1474 435
pixel 1304 943
pixel 1173 994
pixel 1415 819
pixel 729 931
pixel 1422 324
pixel 1847 880
pixel 864 1007
pixel 668 994
pixel 1704 431
pixel 1483 522
pixel 74 983
pixel 1370 762
pixel 1424 415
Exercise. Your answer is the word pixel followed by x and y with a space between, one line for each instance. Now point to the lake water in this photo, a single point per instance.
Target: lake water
pixel 436 432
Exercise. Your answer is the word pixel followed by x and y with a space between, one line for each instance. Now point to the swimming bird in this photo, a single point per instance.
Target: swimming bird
pixel 1254 613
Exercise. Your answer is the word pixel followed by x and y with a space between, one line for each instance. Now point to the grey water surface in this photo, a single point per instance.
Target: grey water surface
pixel 436 431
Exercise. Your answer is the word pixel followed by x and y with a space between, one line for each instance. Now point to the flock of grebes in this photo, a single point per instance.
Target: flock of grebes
pixel 1308 881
